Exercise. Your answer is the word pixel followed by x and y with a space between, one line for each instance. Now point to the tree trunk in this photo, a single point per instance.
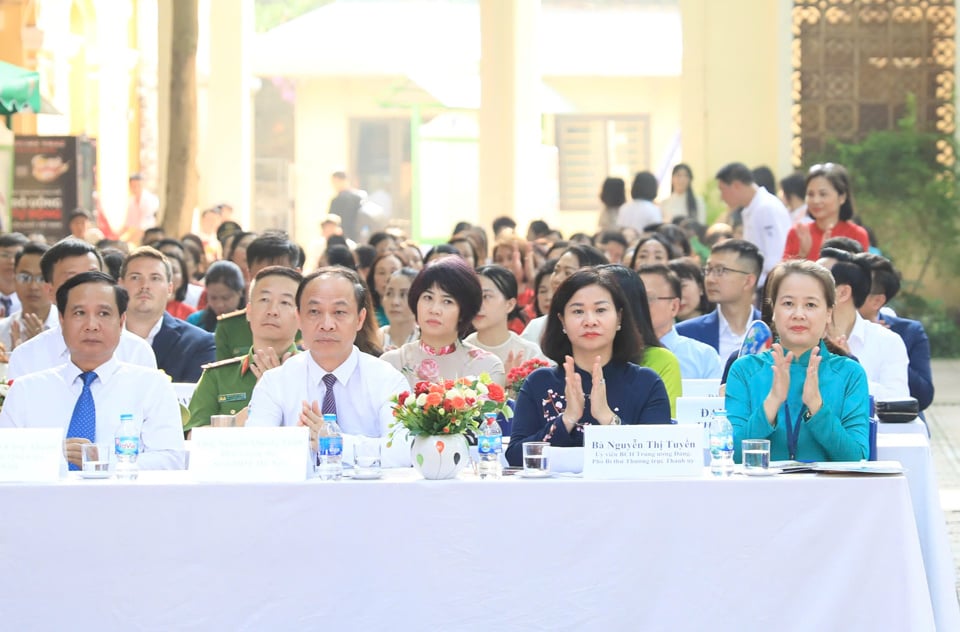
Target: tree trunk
pixel 182 177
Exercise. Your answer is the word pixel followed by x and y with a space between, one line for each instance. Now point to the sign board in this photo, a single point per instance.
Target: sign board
pixel 250 455
pixel 701 388
pixel 30 455
pixel 642 451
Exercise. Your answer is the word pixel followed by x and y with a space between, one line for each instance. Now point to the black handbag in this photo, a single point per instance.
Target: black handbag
pixel 898 411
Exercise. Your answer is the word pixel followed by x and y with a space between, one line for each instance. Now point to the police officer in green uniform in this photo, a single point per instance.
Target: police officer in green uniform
pixel 225 386
pixel 232 335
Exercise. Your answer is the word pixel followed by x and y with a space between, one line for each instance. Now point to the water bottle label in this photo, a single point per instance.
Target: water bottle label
pixel 330 446
pixel 490 444
pixel 127 446
pixel 721 443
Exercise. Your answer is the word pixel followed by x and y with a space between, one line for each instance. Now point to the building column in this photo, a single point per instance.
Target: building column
pixel 510 157
pixel 226 142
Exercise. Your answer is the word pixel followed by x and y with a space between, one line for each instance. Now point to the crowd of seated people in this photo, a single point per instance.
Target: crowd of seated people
pixel 621 318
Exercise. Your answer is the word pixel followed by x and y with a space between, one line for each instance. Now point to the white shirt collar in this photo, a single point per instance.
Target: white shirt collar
pixel 859 331
pixel 153 330
pixel 104 372
pixel 343 372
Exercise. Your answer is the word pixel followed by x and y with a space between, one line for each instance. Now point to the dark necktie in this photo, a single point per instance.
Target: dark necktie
pixel 83 422
pixel 329 403
pixel 7 304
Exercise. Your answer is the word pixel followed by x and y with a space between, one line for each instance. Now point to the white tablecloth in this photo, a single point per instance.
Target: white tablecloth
pixel 802 552
pixel 913 451
pixel 911 427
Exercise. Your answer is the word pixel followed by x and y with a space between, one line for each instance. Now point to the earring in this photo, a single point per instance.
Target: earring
pixel 564 331
pixel 618 327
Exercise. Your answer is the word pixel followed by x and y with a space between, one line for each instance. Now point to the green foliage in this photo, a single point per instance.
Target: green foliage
pixel 938 321
pixel 904 193
pixel 271 13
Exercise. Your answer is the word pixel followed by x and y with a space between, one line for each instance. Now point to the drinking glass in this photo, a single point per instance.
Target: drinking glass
pixel 222 421
pixel 95 460
pixel 536 458
pixel 366 458
pixel 756 454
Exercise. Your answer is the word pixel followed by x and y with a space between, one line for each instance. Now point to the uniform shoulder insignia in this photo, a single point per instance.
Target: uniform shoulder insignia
pixel 232 314
pixel 220 363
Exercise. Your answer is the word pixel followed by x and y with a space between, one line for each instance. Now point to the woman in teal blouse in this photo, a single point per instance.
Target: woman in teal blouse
pixel 811 403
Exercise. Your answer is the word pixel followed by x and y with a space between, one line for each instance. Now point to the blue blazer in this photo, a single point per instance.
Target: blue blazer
pixel 919 375
pixel 706 328
pixel 182 348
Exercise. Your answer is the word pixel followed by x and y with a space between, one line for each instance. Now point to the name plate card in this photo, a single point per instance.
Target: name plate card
pixel 701 388
pixel 698 410
pixel 642 451
pixel 30 455
pixel 250 455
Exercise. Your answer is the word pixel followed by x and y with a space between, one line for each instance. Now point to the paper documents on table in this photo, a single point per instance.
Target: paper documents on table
pixel 840 467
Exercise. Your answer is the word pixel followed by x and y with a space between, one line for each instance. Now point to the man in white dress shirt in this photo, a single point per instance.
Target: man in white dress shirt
pixel 92 312
pixel 10 245
pixel 65 259
pixel 36 313
pixel 766 220
pixel 331 304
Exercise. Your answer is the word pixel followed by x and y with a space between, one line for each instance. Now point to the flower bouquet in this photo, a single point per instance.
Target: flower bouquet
pixel 518 375
pixel 437 414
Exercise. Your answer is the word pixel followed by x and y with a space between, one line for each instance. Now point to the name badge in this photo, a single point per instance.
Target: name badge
pixel 642 451
pixel 30 455
pixel 231 397
pixel 249 455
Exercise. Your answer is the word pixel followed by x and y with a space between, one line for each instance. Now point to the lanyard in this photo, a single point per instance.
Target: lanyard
pixel 793 431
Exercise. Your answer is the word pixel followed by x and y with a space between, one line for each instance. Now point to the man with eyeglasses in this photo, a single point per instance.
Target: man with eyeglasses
pixel 730 277
pixel 10 245
pixel 35 313
pixel 698 361
pixel 766 220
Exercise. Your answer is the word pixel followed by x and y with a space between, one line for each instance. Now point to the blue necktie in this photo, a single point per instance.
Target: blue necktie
pixel 83 422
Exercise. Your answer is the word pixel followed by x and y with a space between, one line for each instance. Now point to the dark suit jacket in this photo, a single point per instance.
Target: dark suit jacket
pixel 182 348
pixel 919 375
pixel 706 328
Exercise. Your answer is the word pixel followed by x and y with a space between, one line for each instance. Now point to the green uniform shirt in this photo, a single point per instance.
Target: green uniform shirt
pixel 224 388
pixel 232 335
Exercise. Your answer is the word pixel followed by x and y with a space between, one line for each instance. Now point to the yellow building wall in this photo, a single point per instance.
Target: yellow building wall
pixel 13 16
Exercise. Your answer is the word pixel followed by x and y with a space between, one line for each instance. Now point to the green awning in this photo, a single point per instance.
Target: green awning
pixel 19 90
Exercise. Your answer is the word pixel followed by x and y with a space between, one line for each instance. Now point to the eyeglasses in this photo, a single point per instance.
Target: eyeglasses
pixel 25 278
pixel 721 271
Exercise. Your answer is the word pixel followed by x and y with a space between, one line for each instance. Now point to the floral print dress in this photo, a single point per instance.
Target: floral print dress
pixel 419 362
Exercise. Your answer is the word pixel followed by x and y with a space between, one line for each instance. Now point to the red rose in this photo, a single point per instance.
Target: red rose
pixel 421 388
pixel 434 399
pixel 448 405
pixel 495 392
pixel 402 397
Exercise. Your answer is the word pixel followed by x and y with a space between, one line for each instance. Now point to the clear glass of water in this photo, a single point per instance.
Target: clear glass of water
pixel 223 421
pixel 536 460
pixel 95 460
pixel 366 458
pixel 756 454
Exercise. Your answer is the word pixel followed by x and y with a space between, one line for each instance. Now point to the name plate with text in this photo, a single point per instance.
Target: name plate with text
pixel 642 451
pixel 697 410
pixel 30 455
pixel 249 455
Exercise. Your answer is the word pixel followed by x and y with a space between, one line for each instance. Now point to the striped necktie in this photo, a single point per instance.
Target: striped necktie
pixel 329 403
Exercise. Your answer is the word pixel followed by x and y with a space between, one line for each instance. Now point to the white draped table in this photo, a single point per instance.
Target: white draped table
pixel 801 552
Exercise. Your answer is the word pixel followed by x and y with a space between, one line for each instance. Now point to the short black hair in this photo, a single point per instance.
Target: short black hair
pixel 337 240
pixel 615 236
pixel 359 288
pixel 92 276
pixel 377 237
pixel 272 246
pixel 339 255
pixel 735 171
pixel 283 271
pixel 763 177
pixel 745 250
pixel 63 249
pixel 440 249
pixel 613 193
pixel 644 186
pixel 555 343
pixel 78 212
pixel 853 270
pixel 113 259
pixel 226 229
pixel 587 256
pixel 455 277
pixel 658 237
pixel 678 238
pixel 365 256
pixel 12 239
pixel 502 223
pixel 506 284
pixel 843 243
pixel 885 277
pixel 463 239
pixel 539 228
pixel 30 248
pixel 168 241
pixel 668 275
pixel 146 241
pixel 794 184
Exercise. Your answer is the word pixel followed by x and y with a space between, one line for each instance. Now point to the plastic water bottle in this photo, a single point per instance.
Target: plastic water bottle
pixel 721 444
pixel 127 448
pixel 490 444
pixel 330 450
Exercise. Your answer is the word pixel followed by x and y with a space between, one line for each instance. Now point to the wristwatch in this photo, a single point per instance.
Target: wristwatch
pixel 615 420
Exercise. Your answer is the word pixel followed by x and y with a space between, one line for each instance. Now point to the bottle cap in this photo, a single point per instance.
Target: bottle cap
pixel 328 417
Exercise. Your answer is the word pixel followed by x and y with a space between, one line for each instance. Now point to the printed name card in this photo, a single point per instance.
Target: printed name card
pixel 697 410
pixel 249 455
pixel 643 451
pixel 701 388
pixel 30 455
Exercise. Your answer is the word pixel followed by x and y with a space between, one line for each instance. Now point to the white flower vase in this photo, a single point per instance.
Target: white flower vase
pixel 439 457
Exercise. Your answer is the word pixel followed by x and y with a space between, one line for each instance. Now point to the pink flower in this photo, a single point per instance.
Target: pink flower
pixel 428 370
pixel 477 353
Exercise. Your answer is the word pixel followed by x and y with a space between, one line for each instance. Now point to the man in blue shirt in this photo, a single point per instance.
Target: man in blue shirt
pixel 697 360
